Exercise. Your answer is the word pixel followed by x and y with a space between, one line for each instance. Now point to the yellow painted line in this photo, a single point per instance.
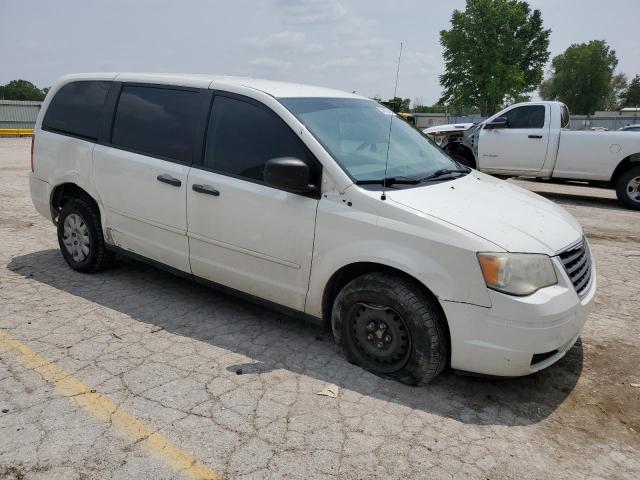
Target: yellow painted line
pixel 105 410
pixel 16 131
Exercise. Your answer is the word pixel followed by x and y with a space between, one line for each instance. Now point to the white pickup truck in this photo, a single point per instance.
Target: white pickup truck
pixel 533 139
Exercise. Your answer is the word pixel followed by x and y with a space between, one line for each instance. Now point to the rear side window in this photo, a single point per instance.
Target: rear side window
pixel 76 108
pixel 156 121
pixel 242 137
pixel 529 116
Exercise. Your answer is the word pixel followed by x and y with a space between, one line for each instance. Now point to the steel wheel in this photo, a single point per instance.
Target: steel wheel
pixel 633 189
pixel 380 336
pixel 76 237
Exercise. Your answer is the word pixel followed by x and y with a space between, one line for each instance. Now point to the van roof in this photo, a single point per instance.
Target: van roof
pixel 271 87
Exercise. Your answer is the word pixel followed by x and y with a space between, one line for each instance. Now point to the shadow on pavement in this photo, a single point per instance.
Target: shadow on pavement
pixel 582 200
pixel 275 341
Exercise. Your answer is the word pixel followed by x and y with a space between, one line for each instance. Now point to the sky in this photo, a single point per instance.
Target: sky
pixel 351 45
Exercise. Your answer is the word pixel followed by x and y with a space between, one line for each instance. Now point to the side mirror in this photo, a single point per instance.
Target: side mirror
pixel 289 174
pixel 498 122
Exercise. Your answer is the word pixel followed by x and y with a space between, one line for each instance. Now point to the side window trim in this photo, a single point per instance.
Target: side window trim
pixel 252 101
pixel 108 114
pixel 108 120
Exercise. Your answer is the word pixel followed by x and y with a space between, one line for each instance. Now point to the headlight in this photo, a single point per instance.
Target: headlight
pixel 517 273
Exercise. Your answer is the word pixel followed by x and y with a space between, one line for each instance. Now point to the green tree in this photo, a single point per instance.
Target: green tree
pixel 617 89
pixel 21 90
pixel 495 50
pixel 582 77
pixel 403 103
pixel 631 97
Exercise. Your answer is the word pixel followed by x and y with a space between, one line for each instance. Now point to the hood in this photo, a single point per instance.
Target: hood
pixel 451 127
pixel 508 216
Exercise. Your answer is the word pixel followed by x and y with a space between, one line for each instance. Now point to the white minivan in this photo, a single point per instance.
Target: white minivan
pixel 318 202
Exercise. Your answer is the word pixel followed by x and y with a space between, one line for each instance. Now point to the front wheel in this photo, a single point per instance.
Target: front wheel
pixel 628 188
pixel 390 326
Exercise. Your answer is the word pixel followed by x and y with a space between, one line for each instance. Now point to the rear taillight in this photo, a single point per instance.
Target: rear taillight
pixel 33 140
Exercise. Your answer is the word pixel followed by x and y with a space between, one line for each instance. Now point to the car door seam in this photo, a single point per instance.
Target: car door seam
pixel 313 249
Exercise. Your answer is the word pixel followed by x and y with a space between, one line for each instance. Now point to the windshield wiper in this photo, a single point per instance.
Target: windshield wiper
pixel 443 173
pixel 388 181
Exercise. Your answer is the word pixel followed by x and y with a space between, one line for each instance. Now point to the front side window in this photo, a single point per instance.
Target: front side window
pixel 76 108
pixel 361 134
pixel 156 121
pixel 243 136
pixel 528 116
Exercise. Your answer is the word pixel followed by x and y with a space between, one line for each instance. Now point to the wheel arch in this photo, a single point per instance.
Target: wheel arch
pixel 460 149
pixel 66 191
pixel 348 272
pixel 625 164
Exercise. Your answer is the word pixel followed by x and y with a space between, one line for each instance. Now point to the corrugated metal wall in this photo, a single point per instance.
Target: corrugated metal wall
pixel 18 114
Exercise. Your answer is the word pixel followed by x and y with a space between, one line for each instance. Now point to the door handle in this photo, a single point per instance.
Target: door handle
pixel 535 136
pixel 165 178
pixel 208 189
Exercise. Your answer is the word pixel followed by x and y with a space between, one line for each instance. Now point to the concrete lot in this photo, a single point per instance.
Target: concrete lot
pixel 161 356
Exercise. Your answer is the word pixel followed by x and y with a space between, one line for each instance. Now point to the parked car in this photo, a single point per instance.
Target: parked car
pixel 533 139
pixel 630 128
pixel 320 203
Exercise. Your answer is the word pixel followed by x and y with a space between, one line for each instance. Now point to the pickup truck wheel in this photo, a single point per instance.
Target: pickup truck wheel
pixel 391 327
pixel 628 188
pixel 80 237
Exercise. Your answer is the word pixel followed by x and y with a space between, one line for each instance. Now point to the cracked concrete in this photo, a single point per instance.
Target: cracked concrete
pixel 167 350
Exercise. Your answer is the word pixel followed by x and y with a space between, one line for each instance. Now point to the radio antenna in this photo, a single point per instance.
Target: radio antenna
pixel 386 162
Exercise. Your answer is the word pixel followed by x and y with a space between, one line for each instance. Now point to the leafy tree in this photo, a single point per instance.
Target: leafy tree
pixel 396 104
pixel 582 77
pixel 495 50
pixel 21 90
pixel 631 98
pixel 433 109
pixel 617 89
pixel 403 103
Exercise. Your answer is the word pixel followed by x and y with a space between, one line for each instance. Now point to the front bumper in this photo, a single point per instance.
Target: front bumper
pixel 503 339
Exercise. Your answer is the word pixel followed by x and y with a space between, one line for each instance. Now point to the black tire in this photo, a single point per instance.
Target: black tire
pixel 626 193
pixel 396 302
pixel 462 159
pixel 98 256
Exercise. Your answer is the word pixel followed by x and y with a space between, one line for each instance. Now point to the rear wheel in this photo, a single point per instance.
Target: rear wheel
pixel 390 326
pixel 628 188
pixel 80 237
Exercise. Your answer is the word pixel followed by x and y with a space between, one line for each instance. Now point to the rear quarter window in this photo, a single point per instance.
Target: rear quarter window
pixel 75 109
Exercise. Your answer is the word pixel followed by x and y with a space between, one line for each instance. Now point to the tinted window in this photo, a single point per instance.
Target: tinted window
pixel 530 116
pixel 156 121
pixel 242 137
pixel 76 109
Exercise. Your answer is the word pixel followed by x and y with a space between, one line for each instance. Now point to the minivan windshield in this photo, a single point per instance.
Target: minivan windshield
pixel 356 133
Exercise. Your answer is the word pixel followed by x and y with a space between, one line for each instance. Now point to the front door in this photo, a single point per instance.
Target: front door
pixel 519 147
pixel 242 233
